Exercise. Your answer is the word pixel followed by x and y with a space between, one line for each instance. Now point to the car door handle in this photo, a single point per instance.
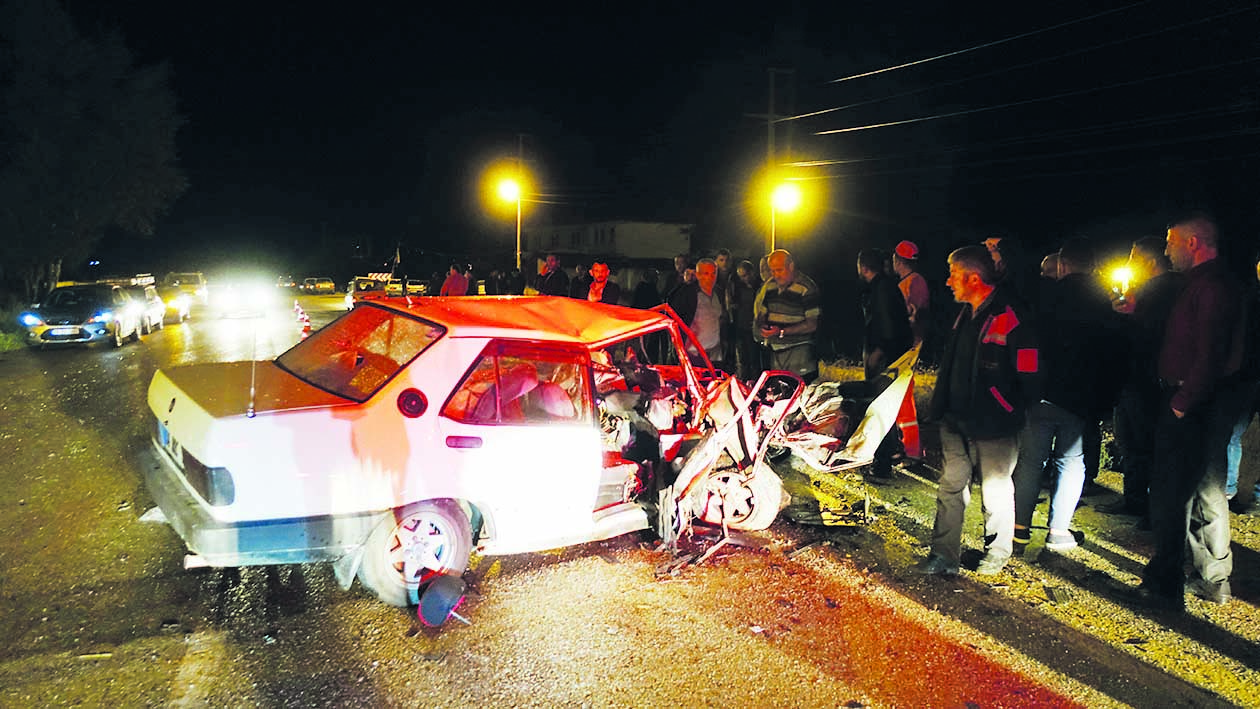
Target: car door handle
pixel 463 441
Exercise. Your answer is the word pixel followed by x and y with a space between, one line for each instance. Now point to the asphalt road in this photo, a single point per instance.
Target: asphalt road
pixel 96 609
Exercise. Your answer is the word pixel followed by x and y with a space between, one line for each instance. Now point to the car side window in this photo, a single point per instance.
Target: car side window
pixel 533 386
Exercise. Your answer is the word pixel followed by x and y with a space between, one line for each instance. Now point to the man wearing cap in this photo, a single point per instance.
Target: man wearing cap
pixel 914 288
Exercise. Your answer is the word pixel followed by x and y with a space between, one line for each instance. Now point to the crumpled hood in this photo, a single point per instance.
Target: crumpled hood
pixel 222 388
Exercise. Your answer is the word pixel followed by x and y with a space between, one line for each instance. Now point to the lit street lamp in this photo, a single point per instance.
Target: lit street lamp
pixel 510 191
pixel 785 198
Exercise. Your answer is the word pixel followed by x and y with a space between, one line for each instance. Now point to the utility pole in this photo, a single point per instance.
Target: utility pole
pixel 772 118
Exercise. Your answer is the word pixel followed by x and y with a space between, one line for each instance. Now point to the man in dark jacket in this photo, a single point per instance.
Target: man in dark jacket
pixel 1201 348
pixel 989 373
pixel 1083 363
pixel 702 306
pixel 886 335
pixel 552 280
pixel 1144 309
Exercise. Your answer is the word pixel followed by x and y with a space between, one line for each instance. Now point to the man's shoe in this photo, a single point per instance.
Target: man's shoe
pixel 1091 488
pixel 881 475
pixel 936 565
pixel 1241 506
pixel 1122 507
pixel 991 564
pixel 1057 540
pixel 1144 597
pixel 1217 592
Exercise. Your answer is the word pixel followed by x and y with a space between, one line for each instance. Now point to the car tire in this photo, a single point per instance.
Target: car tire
pixel 436 529
pixel 748 504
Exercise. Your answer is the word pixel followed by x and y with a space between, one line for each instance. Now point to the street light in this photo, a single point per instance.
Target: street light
pixel 785 198
pixel 510 191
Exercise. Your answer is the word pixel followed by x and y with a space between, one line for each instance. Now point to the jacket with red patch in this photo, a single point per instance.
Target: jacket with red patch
pixel 1002 377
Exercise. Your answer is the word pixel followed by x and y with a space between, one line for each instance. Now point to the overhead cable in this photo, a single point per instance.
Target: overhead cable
pixel 990 44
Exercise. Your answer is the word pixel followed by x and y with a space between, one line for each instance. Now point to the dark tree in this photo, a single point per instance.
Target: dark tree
pixel 87 142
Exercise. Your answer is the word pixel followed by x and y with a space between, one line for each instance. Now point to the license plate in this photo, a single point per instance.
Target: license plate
pixel 65 331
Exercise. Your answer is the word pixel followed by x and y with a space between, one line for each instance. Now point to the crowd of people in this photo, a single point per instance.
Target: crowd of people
pixel 1029 373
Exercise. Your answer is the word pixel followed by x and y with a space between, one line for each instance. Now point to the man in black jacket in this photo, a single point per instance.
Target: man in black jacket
pixel 989 372
pixel 1083 363
pixel 886 335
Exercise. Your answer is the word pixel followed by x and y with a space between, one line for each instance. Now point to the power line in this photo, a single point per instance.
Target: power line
pixel 1221 110
pixel 1069 153
pixel 1043 99
pixel 1025 65
pixel 990 44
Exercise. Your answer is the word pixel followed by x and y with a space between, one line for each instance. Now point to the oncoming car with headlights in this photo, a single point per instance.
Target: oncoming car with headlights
pixel 409 433
pixel 83 314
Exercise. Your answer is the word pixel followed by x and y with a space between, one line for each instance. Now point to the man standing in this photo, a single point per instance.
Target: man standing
pixel 1082 362
pixel 456 283
pixel 552 280
pixel 988 373
pixel 1145 308
pixel 1188 507
pixel 600 289
pixel 581 282
pixel 885 337
pixel 914 289
pixel 787 310
pixel 676 277
pixel 702 306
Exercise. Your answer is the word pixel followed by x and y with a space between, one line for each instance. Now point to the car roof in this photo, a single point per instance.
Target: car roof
pixel 553 318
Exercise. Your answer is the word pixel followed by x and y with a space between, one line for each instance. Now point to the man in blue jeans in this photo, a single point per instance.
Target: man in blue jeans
pixel 988 372
pixel 1083 362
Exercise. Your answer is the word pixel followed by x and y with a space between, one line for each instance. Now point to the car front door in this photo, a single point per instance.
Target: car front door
pixel 521 426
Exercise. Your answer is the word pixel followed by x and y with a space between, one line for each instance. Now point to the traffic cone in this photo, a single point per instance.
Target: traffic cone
pixel 306 326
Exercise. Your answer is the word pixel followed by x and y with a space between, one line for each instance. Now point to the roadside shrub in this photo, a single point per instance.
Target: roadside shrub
pixel 10 331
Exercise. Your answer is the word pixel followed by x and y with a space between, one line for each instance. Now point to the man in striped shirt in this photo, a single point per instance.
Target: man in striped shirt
pixel 787 310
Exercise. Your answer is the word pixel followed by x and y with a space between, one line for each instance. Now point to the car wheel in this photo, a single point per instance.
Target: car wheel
pixel 747 504
pixel 413 545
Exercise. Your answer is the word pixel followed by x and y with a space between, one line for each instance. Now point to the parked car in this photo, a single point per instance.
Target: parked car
pixel 286 282
pixel 178 303
pixel 320 285
pixel 364 288
pixel 152 308
pixel 404 435
pixel 82 314
pixel 191 282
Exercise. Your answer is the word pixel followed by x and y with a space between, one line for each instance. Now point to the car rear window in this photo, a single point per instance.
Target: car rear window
pixel 357 353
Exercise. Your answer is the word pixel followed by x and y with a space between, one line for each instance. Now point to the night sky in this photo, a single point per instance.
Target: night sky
pixel 310 124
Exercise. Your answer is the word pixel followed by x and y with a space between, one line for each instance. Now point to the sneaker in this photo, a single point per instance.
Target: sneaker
pixel 1059 540
pixel 936 565
pixel 1217 592
pixel 991 564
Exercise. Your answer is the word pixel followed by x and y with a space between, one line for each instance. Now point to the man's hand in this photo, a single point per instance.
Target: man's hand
pixel 1179 414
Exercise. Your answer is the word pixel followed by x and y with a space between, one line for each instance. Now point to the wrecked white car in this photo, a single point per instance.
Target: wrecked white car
pixel 408 434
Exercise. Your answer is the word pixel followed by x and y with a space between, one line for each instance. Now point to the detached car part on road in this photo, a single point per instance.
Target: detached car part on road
pixel 404 436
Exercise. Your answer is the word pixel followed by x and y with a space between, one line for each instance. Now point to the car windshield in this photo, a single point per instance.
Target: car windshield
pixel 74 297
pixel 357 353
